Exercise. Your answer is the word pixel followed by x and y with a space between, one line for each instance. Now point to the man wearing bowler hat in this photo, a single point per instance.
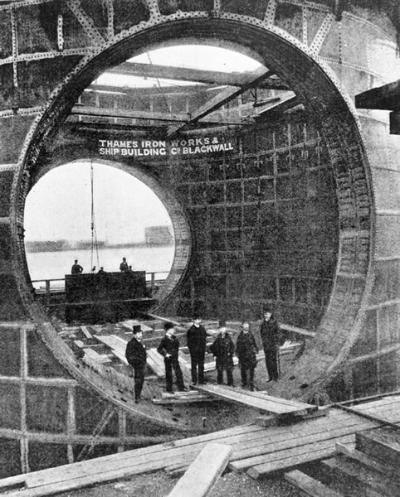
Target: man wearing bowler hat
pixel 223 349
pixel 169 348
pixel 136 356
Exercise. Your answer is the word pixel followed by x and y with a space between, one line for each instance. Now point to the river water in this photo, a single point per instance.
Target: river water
pixel 52 265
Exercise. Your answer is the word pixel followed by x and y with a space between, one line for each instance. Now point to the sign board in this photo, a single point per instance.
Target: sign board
pixel 163 148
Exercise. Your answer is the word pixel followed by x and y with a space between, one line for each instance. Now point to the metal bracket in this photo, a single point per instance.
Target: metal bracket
pixel 153 8
pixel 322 33
pixel 269 17
pixel 85 21
pixel 110 19
pixel 60 34
pixel 216 8
pixel 14 45
pixel 304 19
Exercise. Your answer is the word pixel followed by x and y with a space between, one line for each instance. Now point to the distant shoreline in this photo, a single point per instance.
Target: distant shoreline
pixel 31 249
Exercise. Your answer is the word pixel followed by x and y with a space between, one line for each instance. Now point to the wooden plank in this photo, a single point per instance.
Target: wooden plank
pixel 100 358
pixel 383 448
pixel 274 420
pixel 86 110
pixel 377 404
pixel 180 395
pixel 280 400
pixel 88 480
pixel 86 332
pixel 242 436
pixel 169 454
pixel 309 486
pixel 128 324
pixel 203 473
pixel 276 443
pixel 223 97
pixel 190 74
pixel 298 331
pixel 282 459
pixel 106 462
pixel 245 398
pixel 364 478
pixel 12 482
pixel 262 470
pixel 267 421
pixel 369 462
pixel 182 399
pixel 116 344
pixel 255 454
pixel 156 362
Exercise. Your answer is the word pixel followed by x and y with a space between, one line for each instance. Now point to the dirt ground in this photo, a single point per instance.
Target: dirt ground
pixel 160 484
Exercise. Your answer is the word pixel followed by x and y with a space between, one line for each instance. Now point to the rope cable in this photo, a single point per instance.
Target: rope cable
pixel 159 87
pixel 94 246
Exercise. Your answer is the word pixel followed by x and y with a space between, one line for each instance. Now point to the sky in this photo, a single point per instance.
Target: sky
pixel 59 205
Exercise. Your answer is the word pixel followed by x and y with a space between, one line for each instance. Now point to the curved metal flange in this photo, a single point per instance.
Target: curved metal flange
pixel 316 84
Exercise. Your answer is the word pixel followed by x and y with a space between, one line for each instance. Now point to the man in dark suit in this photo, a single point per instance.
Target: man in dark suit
pixel 136 356
pixel 76 268
pixel 196 342
pixel 270 336
pixel 169 348
pixel 246 350
pixel 223 349
pixel 123 267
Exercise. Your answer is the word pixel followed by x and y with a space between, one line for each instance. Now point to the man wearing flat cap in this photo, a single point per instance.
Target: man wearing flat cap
pixel 169 349
pixel 136 356
pixel 197 342
pixel 223 349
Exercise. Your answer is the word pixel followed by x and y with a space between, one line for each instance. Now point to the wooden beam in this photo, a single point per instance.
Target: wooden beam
pixel 203 473
pixel 221 99
pixel 288 102
pixel 195 75
pixel 376 354
pixel 309 486
pixel 386 97
pixel 83 110
pixel 139 92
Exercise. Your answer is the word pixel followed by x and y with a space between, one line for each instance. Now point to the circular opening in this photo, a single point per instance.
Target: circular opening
pixel 324 103
pixel 67 220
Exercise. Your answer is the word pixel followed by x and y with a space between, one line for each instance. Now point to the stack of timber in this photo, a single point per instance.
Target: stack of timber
pixel 312 440
pixel 370 468
pixel 258 451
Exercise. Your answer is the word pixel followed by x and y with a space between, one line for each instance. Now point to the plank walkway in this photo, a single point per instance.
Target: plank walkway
pixel 256 450
pixel 257 400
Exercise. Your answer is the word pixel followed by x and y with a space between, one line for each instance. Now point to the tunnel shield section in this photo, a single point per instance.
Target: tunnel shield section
pixel 314 85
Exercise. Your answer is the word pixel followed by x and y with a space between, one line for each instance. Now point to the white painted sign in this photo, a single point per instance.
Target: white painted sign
pixel 154 148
